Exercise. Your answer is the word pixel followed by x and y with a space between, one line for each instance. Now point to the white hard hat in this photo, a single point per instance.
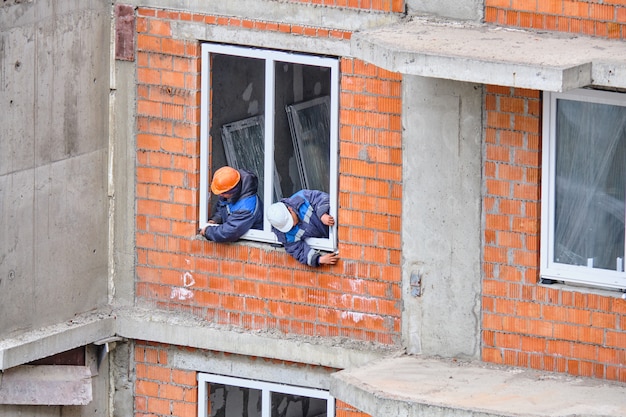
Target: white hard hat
pixel 280 217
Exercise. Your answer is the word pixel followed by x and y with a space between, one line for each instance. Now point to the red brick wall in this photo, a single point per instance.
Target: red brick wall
pixel 255 286
pixel 602 18
pixel 525 324
pixel 161 390
pixel 346 410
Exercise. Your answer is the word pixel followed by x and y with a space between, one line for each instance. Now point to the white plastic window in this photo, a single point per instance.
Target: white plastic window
pixel 236 397
pixel 262 108
pixel 583 188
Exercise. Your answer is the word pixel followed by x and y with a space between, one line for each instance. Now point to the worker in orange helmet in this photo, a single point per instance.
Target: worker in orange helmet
pixel 238 208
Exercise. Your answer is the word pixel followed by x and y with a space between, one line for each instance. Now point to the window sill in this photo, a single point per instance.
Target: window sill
pixel 580 288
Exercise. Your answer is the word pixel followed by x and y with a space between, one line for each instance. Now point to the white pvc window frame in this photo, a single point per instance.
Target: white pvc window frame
pixel 550 269
pixel 266 389
pixel 270 57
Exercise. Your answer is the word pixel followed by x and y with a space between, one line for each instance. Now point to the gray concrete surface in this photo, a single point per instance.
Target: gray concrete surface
pixel 121 185
pixel 411 386
pixel 349 19
pixel 249 367
pixel 183 330
pixel 441 206
pixel 54 87
pixel 476 53
pixel 378 381
pixel 53 161
pixel 46 341
pixel 465 10
pixel 46 385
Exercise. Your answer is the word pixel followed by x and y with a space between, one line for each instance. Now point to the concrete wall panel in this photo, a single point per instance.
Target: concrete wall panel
pixel 54 70
pixel 16 257
pixel 70 236
pixel 17 56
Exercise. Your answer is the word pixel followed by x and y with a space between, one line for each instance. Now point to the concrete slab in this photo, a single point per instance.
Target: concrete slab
pixel 25 347
pixel 176 328
pixel 411 386
pixel 46 385
pixel 486 54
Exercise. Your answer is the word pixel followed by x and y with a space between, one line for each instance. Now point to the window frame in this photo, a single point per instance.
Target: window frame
pixel 550 269
pixel 270 57
pixel 266 389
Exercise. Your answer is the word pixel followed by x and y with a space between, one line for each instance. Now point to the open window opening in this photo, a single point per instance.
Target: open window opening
pixel 584 187
pixel 222 396
pixel 275 114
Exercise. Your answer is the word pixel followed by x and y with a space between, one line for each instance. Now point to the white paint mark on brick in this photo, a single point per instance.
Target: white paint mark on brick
pixel 355 317
pixel 181 293
pixel 188 280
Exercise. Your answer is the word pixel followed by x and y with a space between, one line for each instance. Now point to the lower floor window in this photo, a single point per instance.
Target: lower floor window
pixel 222 396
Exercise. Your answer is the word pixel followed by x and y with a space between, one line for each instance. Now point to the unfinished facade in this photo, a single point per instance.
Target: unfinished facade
pixel 474 153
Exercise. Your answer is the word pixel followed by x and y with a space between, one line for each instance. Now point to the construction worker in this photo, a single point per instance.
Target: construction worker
pixel 238 208
pixel 301 216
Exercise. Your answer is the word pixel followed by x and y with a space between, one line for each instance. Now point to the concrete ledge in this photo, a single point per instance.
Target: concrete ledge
pixel 237 35
pixel 493 55
pixel 41 343
pixel 176 329
pixel 341 18
pixel 411 386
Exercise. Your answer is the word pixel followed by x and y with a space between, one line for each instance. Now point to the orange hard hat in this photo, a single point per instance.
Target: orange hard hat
pixel 224 179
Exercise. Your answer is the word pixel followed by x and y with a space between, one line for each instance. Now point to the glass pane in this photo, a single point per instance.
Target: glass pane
pixel 237 100
pixel 232 401
pixel 289 405
pixel 590 184
pixel 302 132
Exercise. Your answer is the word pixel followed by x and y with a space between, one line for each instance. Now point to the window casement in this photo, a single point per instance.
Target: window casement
pixel 237 397
pixel 274 113
pixel 583 188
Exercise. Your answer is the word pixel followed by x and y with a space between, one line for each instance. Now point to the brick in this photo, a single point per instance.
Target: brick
pixel 183 409
pixel 511 138
pixel 510 172
pixel 173 47
pixel 524 258
pixel 174 178
pixel 540 328
pixel 526 192
pixel 497 222
pixel 616 339
pixel 148 43
pixel 158 406
pixel 148 175
pixel 498 153
pixel 492 355
pixel 584 352
pixel 495 288
pixel 551 7
pixel 171 392
pixel 601 12
pixel 146 388
pixel 158 373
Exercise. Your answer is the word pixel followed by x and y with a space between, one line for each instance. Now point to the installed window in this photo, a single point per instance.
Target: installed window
pixel 583 188
pixel 222 396
pixel 275 114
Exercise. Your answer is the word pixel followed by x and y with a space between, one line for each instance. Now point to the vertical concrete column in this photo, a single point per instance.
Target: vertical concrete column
pixel 441 226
